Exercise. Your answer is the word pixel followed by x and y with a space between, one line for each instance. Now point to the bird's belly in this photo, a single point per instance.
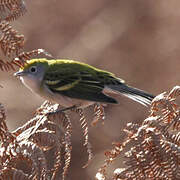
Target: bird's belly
pixel 67 102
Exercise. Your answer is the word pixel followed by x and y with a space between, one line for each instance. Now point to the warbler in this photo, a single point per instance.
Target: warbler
pixel 72 83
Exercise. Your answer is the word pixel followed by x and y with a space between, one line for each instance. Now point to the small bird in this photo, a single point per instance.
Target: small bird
pixel 71 83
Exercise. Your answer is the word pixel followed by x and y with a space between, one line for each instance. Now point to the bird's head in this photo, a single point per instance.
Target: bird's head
pixel 32 73
pixel 34 68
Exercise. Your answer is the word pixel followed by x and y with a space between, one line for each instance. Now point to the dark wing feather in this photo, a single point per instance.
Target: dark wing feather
pixel 88 92
pixel 78 85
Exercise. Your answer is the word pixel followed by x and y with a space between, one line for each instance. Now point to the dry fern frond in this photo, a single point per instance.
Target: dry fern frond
pixel 6 66
pixel 49 132
pixel 154 145
pixel 84 126
pixel 24 56
pixel 3 118
pixel 11 9
pixel 66 128
pixel 29 158
pixel 21 59
pixel 99 114
pixel 12 173
pixel 11 41
pixel 11 44
pixel 27 147
pixel 18 155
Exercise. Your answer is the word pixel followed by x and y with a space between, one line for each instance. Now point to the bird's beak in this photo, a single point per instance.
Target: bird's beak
pixel 20 73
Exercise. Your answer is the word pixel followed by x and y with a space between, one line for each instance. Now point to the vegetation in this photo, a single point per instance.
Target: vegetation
pixel 42 148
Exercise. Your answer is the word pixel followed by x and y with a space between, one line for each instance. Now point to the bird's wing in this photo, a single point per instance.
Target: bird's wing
pixel 79 85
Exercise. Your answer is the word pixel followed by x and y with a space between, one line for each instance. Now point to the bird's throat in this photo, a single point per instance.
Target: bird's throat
pixel 31 83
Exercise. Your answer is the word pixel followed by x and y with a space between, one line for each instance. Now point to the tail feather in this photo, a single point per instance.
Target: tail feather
pixel 135 94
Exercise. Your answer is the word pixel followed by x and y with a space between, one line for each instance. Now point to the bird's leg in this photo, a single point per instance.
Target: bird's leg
pixel 63 110
pixel 68 108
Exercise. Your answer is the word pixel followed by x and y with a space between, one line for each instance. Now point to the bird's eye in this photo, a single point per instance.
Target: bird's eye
pixel 33 69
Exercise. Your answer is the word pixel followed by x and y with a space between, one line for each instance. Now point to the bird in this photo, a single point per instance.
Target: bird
pixel 71 83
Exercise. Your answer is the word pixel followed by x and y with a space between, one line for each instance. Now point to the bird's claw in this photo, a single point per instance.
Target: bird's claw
pixel 62 110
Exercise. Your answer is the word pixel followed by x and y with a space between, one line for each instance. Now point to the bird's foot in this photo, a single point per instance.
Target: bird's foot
pixel 62 110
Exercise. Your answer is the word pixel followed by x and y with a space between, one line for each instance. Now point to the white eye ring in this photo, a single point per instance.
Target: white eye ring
pixel 33 69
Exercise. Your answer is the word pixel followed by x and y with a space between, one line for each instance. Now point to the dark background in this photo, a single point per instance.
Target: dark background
pixel 137 40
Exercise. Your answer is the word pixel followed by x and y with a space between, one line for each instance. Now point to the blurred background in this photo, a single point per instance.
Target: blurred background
pixel 137 40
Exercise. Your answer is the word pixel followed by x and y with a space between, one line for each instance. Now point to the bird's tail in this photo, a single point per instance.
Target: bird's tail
pixel 135 94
